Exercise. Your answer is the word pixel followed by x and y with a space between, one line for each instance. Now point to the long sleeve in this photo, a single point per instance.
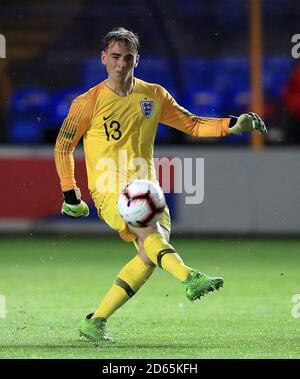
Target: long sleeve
pixel 73 128
pixel 179 118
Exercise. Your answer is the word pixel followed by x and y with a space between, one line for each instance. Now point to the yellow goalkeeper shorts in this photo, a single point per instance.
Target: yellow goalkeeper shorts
pixel 108 211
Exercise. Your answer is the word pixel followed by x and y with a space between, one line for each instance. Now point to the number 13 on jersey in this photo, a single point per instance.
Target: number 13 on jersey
pixel 112 130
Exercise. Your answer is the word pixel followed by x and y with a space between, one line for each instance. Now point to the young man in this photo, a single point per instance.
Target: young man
pixel 122 113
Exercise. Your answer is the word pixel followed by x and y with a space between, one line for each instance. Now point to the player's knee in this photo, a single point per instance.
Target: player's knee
pixel 143 233
pixel 145 259
pixel 142 254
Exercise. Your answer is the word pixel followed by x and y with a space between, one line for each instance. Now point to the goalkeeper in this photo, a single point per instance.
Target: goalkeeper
pixel 123 112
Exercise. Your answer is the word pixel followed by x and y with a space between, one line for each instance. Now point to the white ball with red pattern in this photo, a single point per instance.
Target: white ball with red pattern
pixel 141 203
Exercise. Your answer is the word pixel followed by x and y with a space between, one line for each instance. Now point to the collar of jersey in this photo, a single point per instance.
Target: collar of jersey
pixel 133 88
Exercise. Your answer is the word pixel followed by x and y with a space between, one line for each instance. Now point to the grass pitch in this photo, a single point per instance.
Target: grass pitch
pixel 50 283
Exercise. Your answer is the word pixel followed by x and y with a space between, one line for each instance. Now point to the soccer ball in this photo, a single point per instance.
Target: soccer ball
pixel 141 203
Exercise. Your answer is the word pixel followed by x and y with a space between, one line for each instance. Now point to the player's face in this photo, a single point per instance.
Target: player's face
pixel 120 61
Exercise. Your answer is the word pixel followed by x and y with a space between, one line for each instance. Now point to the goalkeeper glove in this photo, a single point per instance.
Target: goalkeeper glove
pixel 73 206
pixel 247 122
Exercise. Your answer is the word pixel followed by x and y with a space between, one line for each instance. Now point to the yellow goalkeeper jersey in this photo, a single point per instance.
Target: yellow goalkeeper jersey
pixel 119 131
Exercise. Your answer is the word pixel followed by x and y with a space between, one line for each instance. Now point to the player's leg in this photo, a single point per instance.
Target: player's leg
pixel 163 254
pixel 141 250
pixel 129 280
pixel 160 251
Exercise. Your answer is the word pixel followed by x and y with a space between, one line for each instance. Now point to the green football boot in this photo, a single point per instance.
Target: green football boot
pixel 198 284
pixel 94 329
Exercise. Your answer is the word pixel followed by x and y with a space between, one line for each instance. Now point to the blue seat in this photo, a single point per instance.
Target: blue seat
pixel 30 110
pixel 196 73
pixel 25 130
pixel 236 100
pixel 230 72
pixel 155 70
pixel 204 102
pixel 92 73
pixel 276 72
pixel 61 102
pixel 30 99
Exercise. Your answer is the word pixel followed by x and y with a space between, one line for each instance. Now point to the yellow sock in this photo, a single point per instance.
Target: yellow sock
pixel 160 252
pixel 129 280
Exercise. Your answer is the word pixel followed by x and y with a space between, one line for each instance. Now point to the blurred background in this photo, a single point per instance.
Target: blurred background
pixel 203 53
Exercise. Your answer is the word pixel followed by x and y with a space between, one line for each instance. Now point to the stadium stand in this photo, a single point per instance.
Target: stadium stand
pixel 62 58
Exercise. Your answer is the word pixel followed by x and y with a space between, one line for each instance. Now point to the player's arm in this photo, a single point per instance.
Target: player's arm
pixel 73 128
pixel 178 117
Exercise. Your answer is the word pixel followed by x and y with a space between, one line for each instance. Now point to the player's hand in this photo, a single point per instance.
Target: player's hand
pixel 247 122
pixel 73 206
pixel 75 210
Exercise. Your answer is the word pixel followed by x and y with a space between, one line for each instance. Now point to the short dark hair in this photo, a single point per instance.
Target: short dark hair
pixel 122 35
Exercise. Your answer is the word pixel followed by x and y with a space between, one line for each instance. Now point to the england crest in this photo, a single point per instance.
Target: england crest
pixel 147 108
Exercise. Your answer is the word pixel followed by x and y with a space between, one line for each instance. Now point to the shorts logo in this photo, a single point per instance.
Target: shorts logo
pixel 147 108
